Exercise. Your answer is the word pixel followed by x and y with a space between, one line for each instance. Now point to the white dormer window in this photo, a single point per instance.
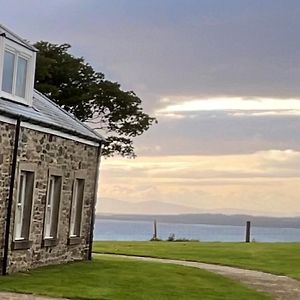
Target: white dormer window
pixel 14 74
pixel 17 67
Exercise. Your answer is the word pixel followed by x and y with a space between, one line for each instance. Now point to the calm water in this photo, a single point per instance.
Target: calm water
pixel 143 230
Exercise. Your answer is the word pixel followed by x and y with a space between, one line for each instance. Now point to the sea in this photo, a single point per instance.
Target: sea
pixel 132 230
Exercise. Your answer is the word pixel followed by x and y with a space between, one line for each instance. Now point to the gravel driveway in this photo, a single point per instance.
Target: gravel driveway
pixel 280 287
pixel 13 296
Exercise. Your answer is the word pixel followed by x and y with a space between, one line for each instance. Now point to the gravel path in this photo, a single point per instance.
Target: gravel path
pixel 280 287
pixel 13 296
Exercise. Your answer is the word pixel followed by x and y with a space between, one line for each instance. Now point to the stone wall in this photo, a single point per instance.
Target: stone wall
pixel 7 133
pixel 46 151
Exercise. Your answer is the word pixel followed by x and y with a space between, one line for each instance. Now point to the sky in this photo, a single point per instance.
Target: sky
pixel 222 78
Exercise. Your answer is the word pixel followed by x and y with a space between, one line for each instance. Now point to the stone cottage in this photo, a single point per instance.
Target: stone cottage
pixel 49 164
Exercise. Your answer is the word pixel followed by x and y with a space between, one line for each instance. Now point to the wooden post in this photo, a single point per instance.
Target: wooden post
pixel 248 227
pixel 154 230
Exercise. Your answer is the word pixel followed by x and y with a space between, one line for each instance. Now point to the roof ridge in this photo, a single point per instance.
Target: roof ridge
pixel 69 114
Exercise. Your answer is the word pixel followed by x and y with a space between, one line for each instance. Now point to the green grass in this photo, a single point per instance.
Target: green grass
pixel 277 258
pixel 122 279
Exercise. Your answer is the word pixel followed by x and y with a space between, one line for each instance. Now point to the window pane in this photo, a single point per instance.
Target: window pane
pixel 19 208
pixel 76 210
pixel 24 204
pixel 52 206
pixel 49 207
pixel 56 205
pixel 79 206
pixel 73 209
pixel 21 77
pixel 8 72
pixel 27 204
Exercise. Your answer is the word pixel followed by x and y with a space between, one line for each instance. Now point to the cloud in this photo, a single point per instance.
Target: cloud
pixel 268 113
pixel 230 103
pixel 266 181
pixel 263 164
pixel 161 48
pixel 221 132
pixel 174 54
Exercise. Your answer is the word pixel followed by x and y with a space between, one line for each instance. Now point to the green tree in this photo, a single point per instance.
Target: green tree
pixel 78 88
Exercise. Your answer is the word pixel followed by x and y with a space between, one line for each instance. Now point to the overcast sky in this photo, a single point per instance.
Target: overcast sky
pixel 222 77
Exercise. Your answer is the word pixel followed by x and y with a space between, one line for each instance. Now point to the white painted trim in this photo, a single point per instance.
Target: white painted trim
pixel 8 120
pixel 26 167
pixel 48 130
pixel 58 133
pixel 30 56
pixel 1 59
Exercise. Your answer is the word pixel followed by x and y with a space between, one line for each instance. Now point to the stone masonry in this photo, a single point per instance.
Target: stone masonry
pixel 45 151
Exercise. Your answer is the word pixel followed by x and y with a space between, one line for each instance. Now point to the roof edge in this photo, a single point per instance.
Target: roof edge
pixel 17 37
pixel 102 138
pixel 51 126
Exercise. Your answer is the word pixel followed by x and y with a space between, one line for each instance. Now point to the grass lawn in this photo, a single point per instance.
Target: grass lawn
pixel 277 258
pixel 121 279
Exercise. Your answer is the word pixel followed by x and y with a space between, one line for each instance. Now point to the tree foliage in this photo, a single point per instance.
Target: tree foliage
pixel 78 88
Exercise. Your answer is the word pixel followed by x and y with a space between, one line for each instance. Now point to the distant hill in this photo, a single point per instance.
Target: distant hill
pixel 116 206
pixel 211 219
pixel 107 205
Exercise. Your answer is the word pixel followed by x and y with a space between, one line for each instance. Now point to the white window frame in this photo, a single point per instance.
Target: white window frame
pixel 20 207
pixel 49 208
pixel 54 175
pixel 24 169
pixel 30 56
pixel 74 209
pixel 79 175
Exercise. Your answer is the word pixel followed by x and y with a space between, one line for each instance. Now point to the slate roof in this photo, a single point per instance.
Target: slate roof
pixel 43 111
pixel 46 113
